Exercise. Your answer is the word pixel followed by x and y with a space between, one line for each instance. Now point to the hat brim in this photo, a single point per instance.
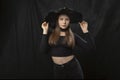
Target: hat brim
pixel 74 16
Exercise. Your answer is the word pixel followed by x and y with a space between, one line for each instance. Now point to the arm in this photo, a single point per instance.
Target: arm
pixel 44 46
pixel 86 43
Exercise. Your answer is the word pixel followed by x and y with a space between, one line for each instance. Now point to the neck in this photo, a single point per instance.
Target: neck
pixel 62 33
pixel 64 30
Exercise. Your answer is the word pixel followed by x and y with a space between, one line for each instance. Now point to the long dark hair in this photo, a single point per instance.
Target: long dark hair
pixel 69 38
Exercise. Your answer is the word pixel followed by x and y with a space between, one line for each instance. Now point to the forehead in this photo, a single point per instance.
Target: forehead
pixel 63 16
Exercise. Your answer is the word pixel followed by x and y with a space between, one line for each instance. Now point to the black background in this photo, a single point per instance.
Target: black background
pixel 21 34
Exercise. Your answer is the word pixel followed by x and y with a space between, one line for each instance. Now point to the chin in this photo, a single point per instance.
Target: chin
pixel 63 27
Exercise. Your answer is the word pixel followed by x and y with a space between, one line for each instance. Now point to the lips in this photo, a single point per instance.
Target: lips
pixel 63 25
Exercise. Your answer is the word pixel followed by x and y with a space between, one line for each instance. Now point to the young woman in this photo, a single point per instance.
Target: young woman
pixel 61 43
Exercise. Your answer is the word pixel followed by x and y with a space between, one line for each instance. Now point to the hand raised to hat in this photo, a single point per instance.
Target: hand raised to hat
pixel 84 26
pixel 45 27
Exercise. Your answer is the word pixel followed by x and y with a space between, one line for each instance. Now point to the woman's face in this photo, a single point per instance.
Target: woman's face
pixel 63 21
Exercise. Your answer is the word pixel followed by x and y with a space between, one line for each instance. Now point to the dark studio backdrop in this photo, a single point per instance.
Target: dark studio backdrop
pixel 20 56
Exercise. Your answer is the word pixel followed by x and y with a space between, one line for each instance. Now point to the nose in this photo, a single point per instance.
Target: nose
pixel 64 21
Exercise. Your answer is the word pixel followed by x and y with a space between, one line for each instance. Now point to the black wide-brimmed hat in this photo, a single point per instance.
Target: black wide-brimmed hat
pixel 74 16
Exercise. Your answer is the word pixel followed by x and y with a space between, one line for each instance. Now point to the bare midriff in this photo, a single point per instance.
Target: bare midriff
pixel 62 60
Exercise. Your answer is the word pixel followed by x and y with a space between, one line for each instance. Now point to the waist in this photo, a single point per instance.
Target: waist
pixel 62 60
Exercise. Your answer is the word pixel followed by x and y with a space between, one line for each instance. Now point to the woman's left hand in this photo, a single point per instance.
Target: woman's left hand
pixel 84 26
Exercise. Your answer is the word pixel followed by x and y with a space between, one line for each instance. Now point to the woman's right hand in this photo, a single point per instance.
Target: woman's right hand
pixel 45 26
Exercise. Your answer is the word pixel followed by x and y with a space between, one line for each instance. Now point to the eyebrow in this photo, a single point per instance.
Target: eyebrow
pixel 64 17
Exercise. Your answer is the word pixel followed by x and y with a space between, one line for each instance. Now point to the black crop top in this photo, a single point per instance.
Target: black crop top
pixel 86 43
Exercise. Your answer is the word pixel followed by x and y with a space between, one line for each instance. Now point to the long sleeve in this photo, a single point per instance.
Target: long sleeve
pixel 44 46
pixel 86 42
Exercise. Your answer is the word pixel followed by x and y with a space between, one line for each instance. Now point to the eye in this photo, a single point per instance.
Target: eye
pixel 61 18
pixel 67 19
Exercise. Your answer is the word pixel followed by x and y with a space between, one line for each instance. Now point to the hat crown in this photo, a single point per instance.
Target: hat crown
pixel 64 10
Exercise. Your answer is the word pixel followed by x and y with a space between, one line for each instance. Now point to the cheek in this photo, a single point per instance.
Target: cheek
pixel 59 22
pixel 68 22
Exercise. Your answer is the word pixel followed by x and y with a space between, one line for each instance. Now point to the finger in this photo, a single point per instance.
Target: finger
pixel 84 21
pixel 44 24
pixel 80 24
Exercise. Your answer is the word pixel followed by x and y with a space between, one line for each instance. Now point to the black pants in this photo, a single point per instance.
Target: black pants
pixel 69 70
